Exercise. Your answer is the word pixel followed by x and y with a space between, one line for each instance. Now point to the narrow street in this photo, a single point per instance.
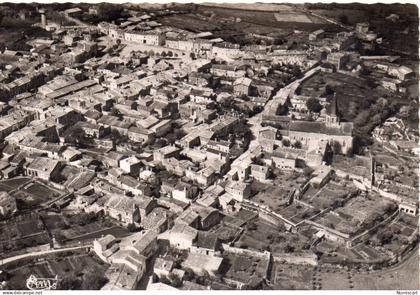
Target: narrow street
pixel 256 120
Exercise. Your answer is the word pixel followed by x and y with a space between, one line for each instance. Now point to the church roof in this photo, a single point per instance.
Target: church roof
pixel 345 128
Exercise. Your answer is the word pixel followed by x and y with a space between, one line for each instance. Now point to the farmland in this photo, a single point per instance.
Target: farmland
pixel 233 23
pixel 81 227
pixel 259 234
pixel 22 232
pixel 14 183
pixel 291 277
pixel 29 194
pixel 63 265
pixel 401 276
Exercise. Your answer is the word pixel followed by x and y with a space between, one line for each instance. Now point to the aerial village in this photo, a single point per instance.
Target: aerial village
pixel 140 155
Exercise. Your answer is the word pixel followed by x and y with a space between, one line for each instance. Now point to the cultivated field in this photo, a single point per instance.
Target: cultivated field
pixel 251 6
pixel 404 276
pixel 291 277
pixel 297 17
pixel 81 227
pixel 11 184
pixel 62 265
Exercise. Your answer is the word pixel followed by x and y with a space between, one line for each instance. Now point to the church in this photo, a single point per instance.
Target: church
pixel 311 134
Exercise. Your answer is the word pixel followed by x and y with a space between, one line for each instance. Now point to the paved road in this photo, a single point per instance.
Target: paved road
pixel 40 253
pixel 255 121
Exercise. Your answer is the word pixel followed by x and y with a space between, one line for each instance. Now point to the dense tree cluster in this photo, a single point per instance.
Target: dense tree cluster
pixel 313 105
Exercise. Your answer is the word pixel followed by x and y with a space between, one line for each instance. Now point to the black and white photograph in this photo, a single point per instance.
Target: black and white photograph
pixel 209 146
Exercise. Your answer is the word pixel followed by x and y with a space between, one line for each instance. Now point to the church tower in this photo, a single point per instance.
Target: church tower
pixel 43 18
pixel 332 118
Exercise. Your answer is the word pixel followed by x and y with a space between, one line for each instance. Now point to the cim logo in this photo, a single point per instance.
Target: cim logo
pixel 34 283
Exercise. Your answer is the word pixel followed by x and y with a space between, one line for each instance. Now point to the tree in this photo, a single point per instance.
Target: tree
pixel 336 146
pixel 285 142
pixel 93 281
pixel 175 280
pixel 69 283
pixel 289 249
pixel 83 218
pixel 203 279
pixel 115 112
pixel 109 12
pixel 189 274
pixel 74 135
pixel 342 18
pixel 297 144
pixel 131 227
pixel 329 89
pixel 307 171
pixel 117 136
pixel 338 204
pixel 313 105
pixel 59 236
pixel 164 279
pixel 385 238
pixel 251 226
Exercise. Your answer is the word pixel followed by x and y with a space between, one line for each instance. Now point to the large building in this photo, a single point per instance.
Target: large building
pixel 309 134
pixel 338 59
pixel 147 38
